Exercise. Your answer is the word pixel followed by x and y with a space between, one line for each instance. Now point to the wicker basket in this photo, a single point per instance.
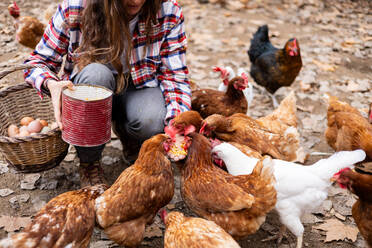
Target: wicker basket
pixel 32 153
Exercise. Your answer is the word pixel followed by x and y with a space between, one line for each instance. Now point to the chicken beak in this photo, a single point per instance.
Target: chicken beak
pixel 294 52
pixel 334 178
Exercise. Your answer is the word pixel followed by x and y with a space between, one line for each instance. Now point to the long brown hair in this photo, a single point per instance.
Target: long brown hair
pixel 105 31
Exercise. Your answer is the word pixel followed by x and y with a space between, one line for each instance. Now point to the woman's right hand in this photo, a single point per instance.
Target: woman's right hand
pixel 55 89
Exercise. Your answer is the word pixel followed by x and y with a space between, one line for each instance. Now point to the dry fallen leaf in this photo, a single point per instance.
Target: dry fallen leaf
pixel 336 230
pixel 350 42
pixel 324 66
pixel 11 223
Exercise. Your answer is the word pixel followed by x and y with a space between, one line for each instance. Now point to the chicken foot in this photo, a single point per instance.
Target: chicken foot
pixel 278 236
pixel 299 242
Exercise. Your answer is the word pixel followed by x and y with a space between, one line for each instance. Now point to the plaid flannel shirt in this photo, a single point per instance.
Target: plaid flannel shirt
pixel 162 63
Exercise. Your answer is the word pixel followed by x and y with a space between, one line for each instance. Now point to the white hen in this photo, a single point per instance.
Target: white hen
pixel 228 74
pixel 300 189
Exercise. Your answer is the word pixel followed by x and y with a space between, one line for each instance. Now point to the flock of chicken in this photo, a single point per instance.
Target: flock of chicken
pixel 234 169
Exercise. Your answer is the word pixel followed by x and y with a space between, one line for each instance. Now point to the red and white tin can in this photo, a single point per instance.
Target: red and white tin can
pixel 86 115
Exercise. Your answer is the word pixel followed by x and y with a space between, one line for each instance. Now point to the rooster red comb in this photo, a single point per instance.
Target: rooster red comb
pixel 202 129
pixel 14 10
pixel 163 214
pixel 245 78
pixel 218 69
pixel 224 74
pixel 342 170
pixel 336 176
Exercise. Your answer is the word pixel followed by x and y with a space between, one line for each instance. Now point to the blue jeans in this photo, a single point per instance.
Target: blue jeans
pixel 139 113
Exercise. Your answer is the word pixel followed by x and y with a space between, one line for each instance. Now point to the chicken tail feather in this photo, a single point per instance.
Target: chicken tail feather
pixel 326 168
pixel 259 43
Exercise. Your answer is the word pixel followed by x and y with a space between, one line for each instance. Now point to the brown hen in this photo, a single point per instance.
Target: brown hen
pixel 238 204
pixel 361 185
pixel 186 119
pixel 182 231
pixel 29 30
pixel 347 129
pixel 209 101
pixel 138 194
pixel 65 221
pixel 275 134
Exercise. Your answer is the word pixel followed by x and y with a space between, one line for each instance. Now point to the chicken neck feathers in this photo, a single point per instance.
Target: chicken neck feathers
pixel 199 167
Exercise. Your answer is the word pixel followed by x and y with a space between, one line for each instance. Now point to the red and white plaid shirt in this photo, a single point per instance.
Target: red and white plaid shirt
pixel 162 63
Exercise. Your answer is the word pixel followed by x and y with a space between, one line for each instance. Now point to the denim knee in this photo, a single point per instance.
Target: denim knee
pixel 142 129
pixel 96 74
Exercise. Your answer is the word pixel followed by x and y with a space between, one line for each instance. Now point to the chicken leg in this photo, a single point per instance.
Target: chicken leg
pixel 278 236
pixel 299 241
pixel 273 98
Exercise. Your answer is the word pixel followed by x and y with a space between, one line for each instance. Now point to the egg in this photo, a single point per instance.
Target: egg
pixel 45 130
pixel 54 125
pixel 23 128
pixel 23 134
pixel 13 130
pixel 26 120
pixel 44 123
pixel 34 126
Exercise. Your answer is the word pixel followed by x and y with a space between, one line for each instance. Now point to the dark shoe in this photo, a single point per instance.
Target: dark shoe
pixel 130 146
pixel 91 174
pixel 130 151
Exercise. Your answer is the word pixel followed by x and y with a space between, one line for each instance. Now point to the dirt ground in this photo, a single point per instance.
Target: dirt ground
pixel 336 47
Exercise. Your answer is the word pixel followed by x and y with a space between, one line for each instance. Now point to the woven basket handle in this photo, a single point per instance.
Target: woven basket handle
pixel 16 68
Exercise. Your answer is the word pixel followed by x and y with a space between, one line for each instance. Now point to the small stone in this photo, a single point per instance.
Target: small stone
pixel 38 203
pixel 29 181
pixel 116 144
pixel 49 185
pixel 3 167
pixel 109 160
pixel 27 185
pixel 335 191
pixel 310 219
pixel 19 198
pixel 339 216
pixel 342 209
pixel 6 192
pixel 332 212
pixel 350 202
pixel 327 205
pixel 101 243
pixel 324 209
